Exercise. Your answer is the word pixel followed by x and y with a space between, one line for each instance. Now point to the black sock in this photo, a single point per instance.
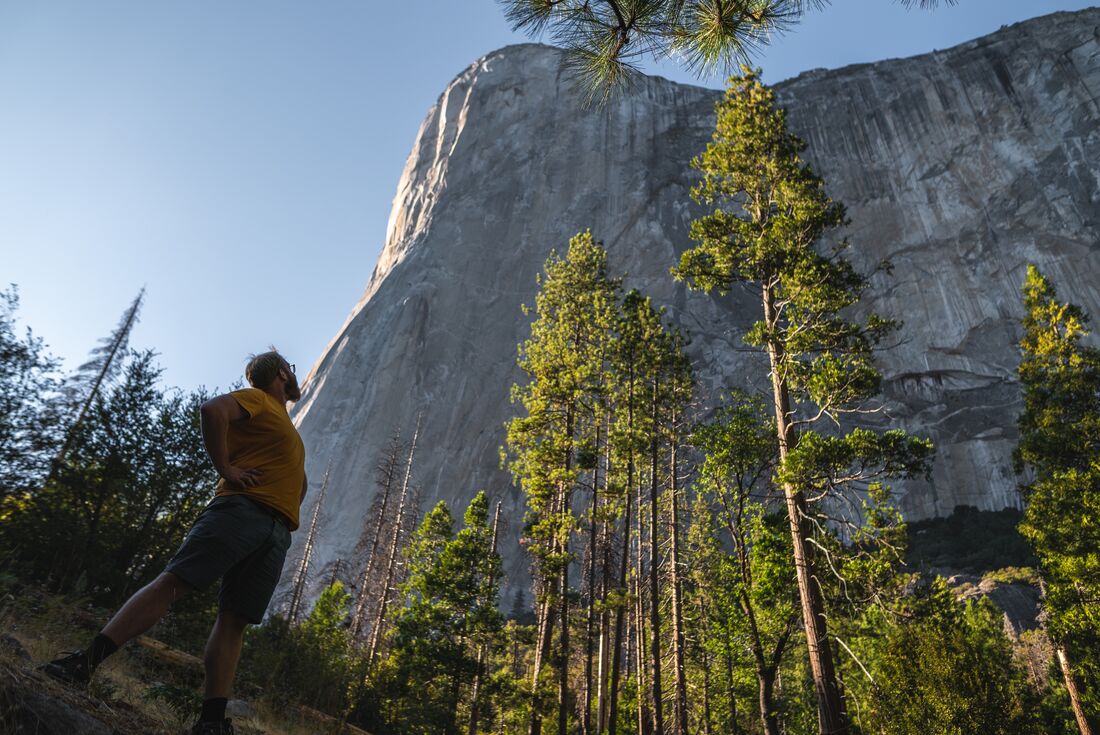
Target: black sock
pixel 101 648
pixel 213 710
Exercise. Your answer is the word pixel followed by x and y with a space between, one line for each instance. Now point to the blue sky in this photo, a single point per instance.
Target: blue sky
pixel 239 159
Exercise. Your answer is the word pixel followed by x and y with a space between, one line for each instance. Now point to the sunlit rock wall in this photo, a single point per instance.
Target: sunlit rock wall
pixel 961 166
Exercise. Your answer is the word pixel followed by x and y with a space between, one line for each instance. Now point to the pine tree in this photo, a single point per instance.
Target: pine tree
pixel 628 351
pixel 946 667
pixel 771 213
pixel 1060 446
pixel 487 597
pixel 451 614
pixel 564 360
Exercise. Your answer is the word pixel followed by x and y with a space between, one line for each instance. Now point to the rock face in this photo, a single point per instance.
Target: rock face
pixel 961 166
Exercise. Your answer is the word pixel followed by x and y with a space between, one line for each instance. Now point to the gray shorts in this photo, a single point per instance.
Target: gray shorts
pixel 238 540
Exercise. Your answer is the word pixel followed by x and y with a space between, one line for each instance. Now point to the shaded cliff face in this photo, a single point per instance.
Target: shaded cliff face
pixel 961 166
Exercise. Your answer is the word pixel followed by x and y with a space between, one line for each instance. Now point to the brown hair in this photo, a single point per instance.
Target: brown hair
pixel 264 367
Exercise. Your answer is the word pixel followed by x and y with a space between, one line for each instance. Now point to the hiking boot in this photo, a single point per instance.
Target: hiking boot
pixel 225 727
pixel 71 669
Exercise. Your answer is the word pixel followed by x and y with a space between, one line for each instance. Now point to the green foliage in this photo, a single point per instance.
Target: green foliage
pixel 1060 448
pixel 944 667
pixel 29 429
pixel 606 39
pixel 116 509
pixel 772 210
pixel 564 360
pixel 452 590
pixel 313 663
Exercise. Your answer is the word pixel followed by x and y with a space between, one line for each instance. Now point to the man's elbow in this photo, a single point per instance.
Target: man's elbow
pixel 220 408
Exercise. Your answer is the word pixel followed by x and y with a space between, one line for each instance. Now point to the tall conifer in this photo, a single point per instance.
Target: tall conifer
pixel 1060 446
pixel 564 360
pixel 771 214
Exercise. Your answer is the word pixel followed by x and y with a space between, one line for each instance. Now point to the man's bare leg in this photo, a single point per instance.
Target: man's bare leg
pixel 139 614
pixel 147 606
pixel 223 650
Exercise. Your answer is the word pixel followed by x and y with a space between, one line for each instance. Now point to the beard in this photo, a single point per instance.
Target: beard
pixel 293 392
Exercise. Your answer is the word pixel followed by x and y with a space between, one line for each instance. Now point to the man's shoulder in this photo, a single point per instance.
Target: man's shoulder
pixel 252 400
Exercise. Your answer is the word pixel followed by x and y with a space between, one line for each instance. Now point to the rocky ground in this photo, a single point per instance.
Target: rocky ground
pixel 148 688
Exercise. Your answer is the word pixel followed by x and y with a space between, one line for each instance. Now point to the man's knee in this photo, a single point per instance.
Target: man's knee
pixel 171 585
pixel 234 621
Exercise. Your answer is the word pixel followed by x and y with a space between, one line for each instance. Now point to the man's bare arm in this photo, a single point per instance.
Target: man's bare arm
pixel 216 414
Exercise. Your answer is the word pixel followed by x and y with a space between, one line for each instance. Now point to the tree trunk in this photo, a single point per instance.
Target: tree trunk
pixel 654 576
pixel 644 720
pixel 590 619
pixel 301 574
pixel 731 692
pixel 542 649
pixel 706 693
pixel 605 586
pixel 677 610
pixel 638 664
pixel 478 671
pixel 620 614
pixel 620 609
pixel 1071 688
pixel 832 719
pixel 769 718
pixel 563 588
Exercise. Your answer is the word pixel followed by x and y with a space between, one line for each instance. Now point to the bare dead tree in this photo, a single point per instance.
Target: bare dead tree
pixel 334 571
pixel 391 560
pixel 101 367
pixel 301 573
pixel 388 468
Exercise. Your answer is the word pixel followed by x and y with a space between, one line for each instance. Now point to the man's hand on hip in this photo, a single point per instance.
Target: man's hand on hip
pixel 241 478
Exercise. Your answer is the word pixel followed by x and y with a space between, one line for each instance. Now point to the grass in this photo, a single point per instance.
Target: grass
pixel 141 689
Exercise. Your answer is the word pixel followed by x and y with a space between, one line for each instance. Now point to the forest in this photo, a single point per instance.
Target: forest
pixel 731 568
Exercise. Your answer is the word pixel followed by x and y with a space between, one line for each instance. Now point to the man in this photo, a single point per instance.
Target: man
pixel 241 536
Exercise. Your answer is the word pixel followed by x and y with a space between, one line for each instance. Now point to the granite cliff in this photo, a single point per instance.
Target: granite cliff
pixel 961 166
